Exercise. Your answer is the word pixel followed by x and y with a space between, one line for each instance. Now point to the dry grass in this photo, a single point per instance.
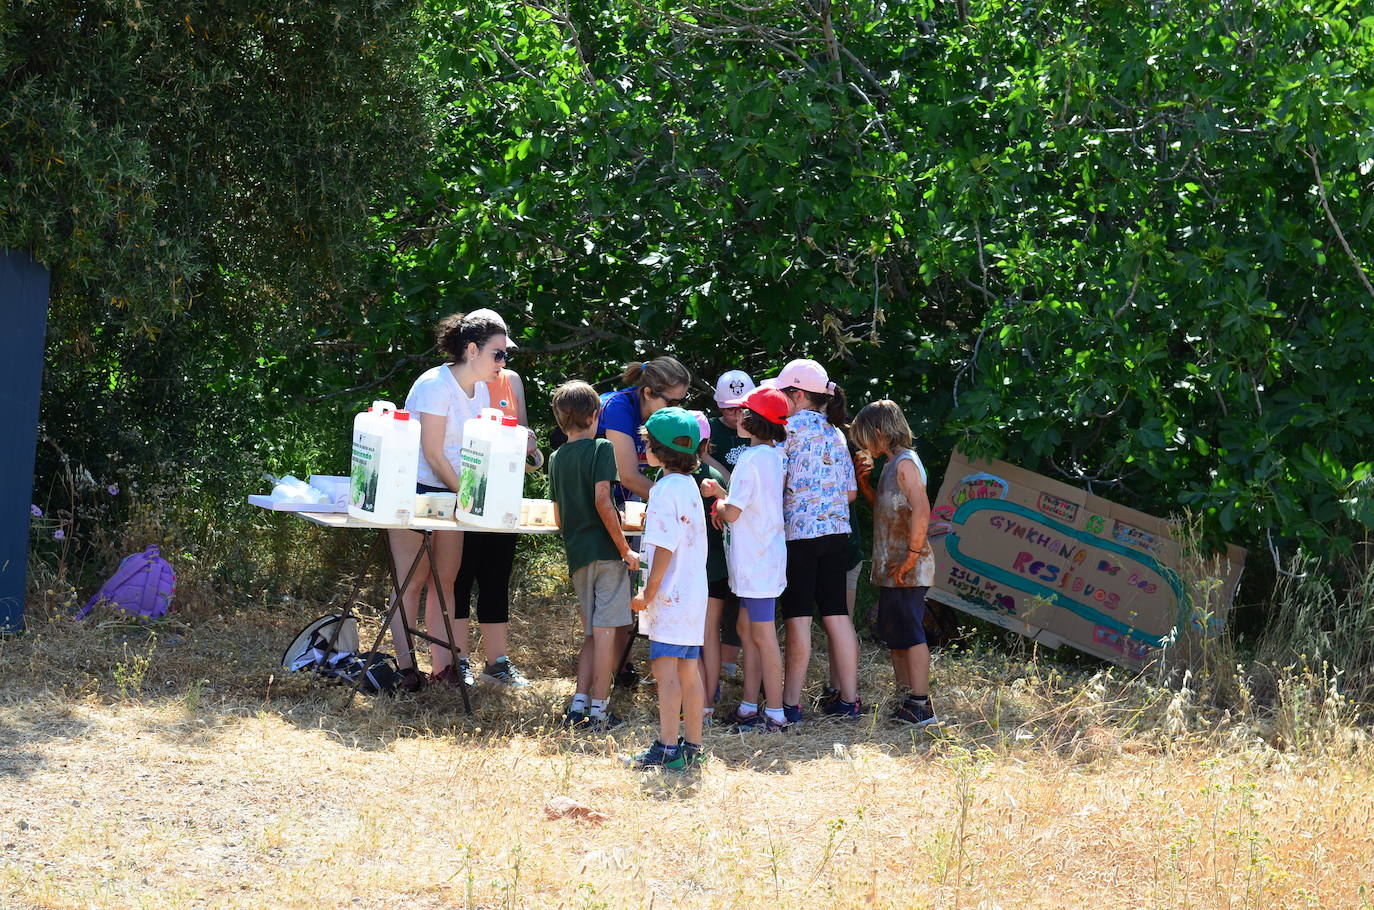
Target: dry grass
pixel 178 770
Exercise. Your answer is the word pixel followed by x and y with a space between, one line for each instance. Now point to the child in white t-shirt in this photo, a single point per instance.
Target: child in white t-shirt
pixel 673 602
pixel 756 551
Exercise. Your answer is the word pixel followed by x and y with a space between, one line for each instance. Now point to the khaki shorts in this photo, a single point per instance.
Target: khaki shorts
pixel 603 591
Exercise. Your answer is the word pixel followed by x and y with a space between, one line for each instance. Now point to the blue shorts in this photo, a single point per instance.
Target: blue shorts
pixel 659 649
pixel 761 609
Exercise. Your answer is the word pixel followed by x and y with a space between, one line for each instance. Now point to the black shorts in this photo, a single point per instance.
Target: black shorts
pixel 816 567
pixel 899 621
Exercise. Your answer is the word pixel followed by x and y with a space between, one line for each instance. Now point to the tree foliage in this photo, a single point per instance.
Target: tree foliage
pixel 201 179
pixel 1122 243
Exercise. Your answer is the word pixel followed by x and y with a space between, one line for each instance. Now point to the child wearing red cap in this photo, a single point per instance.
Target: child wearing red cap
pixel 757 553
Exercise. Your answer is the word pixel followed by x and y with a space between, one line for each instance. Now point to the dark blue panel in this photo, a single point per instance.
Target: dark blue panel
pixel 24 315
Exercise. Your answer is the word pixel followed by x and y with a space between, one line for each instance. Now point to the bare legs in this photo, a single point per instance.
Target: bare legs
pixel 447 547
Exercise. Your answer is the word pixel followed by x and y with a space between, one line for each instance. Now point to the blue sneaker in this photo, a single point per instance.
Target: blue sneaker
pixel 690 755
pixel 573 718
pixel 841 708
pixel 793 713
pixel 658 756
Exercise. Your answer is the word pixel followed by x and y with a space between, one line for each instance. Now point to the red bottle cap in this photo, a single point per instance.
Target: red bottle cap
pixel 401 415
pixel 509 421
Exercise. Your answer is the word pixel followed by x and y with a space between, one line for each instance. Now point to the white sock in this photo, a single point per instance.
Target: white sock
pixel 776 715
pixel 579 702
pixel 708 713
pixel 599 707
pixel 748 708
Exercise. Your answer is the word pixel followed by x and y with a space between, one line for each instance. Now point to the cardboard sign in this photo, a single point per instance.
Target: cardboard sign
pixel 1062 566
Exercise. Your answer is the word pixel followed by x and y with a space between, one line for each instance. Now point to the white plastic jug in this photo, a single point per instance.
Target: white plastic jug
pixel 491 476
pixel 386 461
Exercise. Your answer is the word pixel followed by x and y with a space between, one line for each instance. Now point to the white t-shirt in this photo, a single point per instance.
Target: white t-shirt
pixel 438 392
pixel 755 545
pixel 675 520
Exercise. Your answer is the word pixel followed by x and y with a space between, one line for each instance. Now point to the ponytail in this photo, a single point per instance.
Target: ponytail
pixel 658 374
pixel 837 408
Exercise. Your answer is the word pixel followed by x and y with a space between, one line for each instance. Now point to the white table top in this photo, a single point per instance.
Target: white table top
pixel 344 520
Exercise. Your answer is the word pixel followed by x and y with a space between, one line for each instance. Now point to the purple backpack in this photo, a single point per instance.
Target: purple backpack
pixel 141 586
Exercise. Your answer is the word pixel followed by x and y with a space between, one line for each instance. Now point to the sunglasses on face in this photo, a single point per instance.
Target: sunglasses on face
pixel 668 402
pixel 500 355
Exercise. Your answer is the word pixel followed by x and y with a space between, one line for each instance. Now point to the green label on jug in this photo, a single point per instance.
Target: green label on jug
pixel 362 488
pixel 472 481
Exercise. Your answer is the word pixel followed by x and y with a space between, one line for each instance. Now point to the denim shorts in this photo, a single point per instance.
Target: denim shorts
pixel 659 649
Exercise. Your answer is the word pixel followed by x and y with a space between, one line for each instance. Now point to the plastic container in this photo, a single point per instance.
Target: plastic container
pixel 386 461
pixel 491 475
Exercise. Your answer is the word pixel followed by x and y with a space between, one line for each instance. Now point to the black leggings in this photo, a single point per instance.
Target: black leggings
pixel 487 563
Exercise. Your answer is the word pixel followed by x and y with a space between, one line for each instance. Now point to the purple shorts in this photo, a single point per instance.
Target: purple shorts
pixel 761 609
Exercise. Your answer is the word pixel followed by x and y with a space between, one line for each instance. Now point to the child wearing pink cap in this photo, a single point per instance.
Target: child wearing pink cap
pixel 819 487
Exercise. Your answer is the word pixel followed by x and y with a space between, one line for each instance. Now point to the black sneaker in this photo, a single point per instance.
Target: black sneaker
pixel 503 673
pixel 627 677
pixel 574 719
pixel 793 713
pixel 915 712
pixel 607 721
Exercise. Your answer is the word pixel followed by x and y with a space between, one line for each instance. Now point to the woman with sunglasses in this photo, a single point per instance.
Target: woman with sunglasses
pixel 489 556
pixel 660 383
pixel 445 397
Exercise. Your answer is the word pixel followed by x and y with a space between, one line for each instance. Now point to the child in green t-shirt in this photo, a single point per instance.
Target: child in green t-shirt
pixel 581 472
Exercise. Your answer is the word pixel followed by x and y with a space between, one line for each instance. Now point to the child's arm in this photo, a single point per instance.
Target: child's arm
pixel 723 511
pixel 662 558
pixel 611 519
pixel 863 474
pixel 909 482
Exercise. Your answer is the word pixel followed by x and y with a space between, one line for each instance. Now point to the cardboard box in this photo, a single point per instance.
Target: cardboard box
pixel 1062 566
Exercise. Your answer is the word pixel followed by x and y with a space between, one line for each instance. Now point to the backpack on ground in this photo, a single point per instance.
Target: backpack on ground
pixel 322 645
pixel 142 586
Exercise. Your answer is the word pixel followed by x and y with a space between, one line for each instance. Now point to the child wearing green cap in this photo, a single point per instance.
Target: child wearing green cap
pixel 672 605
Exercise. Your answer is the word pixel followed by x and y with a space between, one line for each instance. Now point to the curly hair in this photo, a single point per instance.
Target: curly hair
pixel 454 334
